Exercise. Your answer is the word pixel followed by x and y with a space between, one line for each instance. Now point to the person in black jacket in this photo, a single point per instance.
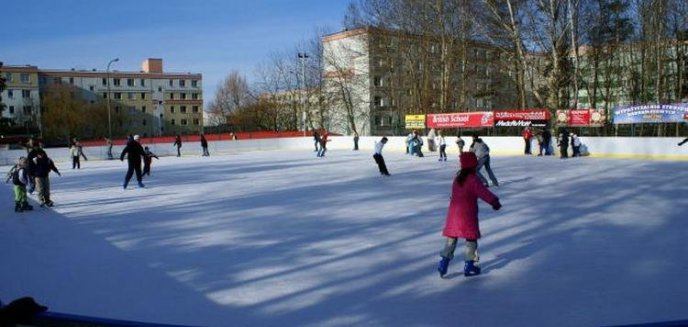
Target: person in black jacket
pixel 204 145
pixel 42 168
pixel 564 143
pixel 134 152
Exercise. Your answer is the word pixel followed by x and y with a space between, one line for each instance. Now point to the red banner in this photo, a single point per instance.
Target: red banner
pixel 535 117
pixel 581 117
pixel 461 119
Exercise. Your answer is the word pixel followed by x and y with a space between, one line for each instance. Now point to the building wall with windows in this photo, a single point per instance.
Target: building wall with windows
pixel 21 96
pixel 391 74
pixel 147 102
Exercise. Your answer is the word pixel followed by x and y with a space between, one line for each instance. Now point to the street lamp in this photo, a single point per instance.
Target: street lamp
pixel 303 56
pixel 107 77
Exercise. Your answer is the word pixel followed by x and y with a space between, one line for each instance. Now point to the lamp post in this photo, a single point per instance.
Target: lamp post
pixel 107 78
pixel 303 56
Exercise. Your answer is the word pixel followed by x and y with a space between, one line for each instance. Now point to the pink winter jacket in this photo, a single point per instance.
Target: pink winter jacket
pixel 462 215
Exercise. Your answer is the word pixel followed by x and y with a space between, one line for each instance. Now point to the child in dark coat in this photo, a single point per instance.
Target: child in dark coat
pixel 20 179
pixel 462 215
pixel 147 160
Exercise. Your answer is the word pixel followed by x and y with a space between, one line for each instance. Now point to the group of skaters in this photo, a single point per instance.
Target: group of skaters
pixel 546 147
pixel 321 138
pixel 31 173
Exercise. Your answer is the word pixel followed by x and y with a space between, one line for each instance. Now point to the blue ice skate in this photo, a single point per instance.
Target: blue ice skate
pixel 442 266
pixel 470 269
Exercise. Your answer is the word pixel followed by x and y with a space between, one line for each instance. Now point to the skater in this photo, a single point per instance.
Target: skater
pixel 204 145
pixel 108 142
pixel 323 144
pixel 355 141
pixel 431 140
pixel 418 141
pixel 462 216
pixel 177 143
pixel 443 146
pixel 76 151
pixel 43 165
pixel 460 143
pixel 527 137
pixel 482 152
pixel 20 178
pixel 564 143
pixel 147 160
pixel 134 153
pixel 682 142
pixel 547 141
pixel 316 139
pixel 378 156
pixel 575 145
pixel 409 143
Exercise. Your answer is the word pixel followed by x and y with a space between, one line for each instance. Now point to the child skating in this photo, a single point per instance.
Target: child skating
pixel 20 179
pixel 148 156
pixel 462 216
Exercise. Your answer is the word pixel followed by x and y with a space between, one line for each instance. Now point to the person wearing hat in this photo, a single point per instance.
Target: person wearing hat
pixel 462 215
pixel 134 152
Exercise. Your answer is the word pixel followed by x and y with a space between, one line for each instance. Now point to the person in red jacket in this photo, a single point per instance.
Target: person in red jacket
pixel 527 137
pixel 462 215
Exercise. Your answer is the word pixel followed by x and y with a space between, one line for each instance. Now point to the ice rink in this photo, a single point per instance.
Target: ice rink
pixel 282 238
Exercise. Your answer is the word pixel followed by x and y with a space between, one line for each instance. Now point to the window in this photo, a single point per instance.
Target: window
pixel 182 83
pixel 104 81
pixel 105 95
pixel 91 88
pixel 24 78
pixel 116 82
pixel 171 96
pixel 57 80
pixel 10 94
pixel 184 122
pixel 196 121
pixel 143 109
pixel 11 110
pixel 117 109
pixel 26 93
pixel 118 95
pixel 130 82
pixel 143 122
pixel 143 82
pixel 8 77
pixel 194 96
pixel 172 109
pixel 172 122
pixel 378 101
pixel 171 83
pixel 132 110
pixel 143 96
pixel 183 96
pixel 131 96
pixel 27 110
pixel 377 81
pixel 194 109
pixel 159 89
pixel 71 80
pixel 182 109
pixel 194 83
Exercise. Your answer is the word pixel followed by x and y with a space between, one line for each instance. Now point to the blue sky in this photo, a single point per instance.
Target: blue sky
pixel 212 37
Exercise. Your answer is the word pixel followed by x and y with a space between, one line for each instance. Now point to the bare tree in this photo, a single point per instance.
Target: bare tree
pixel 231 95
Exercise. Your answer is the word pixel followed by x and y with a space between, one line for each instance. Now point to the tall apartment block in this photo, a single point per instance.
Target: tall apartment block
pixel 375 77
pixel 149 102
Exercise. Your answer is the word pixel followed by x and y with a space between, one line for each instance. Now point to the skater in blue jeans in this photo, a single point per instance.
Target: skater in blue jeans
pixel 482 151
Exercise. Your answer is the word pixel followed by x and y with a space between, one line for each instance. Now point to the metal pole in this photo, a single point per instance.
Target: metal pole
pixel 107 78
pixel 303 57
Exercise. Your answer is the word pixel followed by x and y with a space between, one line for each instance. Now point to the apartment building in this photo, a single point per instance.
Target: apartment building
pixel 147 102
pixel 375 77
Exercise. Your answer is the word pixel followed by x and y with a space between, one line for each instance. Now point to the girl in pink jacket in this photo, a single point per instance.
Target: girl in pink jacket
pixel 462 215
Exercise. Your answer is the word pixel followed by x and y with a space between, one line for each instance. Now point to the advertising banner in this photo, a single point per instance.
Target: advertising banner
pixel 522 118
pixel 653 113
pixel 461 119
pixel 415 121
pixel 581 117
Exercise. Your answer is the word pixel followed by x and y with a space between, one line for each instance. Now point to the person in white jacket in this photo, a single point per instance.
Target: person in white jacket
pixel 443 146
pixel 378 156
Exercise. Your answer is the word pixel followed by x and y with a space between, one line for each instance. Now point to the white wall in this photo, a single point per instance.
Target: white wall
pixel 612 147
